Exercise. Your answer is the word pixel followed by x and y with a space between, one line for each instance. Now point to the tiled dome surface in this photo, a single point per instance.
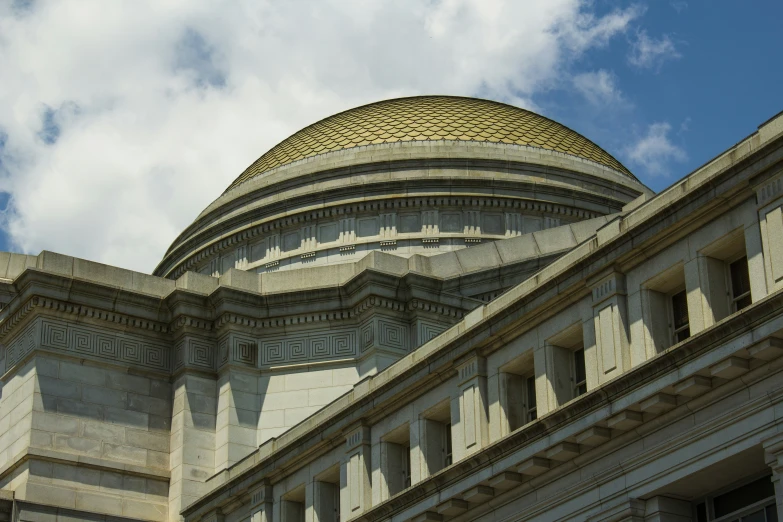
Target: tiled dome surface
pixel 425 118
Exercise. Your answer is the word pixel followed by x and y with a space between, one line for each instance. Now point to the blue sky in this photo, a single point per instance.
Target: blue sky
pixel 120 121
pixel 726 81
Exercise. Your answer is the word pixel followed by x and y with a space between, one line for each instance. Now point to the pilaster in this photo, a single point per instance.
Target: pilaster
pixel 610 319
pixel 470 408
pixel 355 473
pixel 261 503
pixel 192 442
pixel 769 198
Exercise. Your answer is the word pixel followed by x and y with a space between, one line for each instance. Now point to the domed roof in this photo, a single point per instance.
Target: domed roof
pixel 429 118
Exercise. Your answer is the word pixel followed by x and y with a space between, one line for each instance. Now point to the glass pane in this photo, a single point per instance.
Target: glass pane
pixel 740 279
pixel 680 309
pixel 743 496
pixel 757 516
pixel 701 512
pixel 743 302
pixel 531 393
pixel 772 513
pixel 579 365
pixel 682 334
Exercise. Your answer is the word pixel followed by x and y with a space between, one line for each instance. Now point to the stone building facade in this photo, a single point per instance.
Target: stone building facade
pixel 430 308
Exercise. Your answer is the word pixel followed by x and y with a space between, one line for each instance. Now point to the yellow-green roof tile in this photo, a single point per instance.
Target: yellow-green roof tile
pixel 425 118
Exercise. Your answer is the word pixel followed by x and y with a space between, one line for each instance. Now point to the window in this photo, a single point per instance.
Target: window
pixel 664 304
pixel 579 375
pixel 326 490
pixel 448 452
pixel 724 279
pixel 517 393
pixel 740 284
pixel 396 460
pixel 679 313
pixel 569 372
pixel 405 467
pixel 751 502
pixel 435 439
pixel 293 505
pixel 531 398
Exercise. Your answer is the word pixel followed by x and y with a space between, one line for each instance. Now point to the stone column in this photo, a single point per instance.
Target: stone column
pixel 770 214
pixel 192 442
pixel 389 225
pixel 513 224
pixel 238 402
pixel 261 502
pixel 355 474
pixel 773 455
pixel 472 225
pixel 610 318
pixel 469 409
pixel 430 224
pixel 347 230
pixel 755 252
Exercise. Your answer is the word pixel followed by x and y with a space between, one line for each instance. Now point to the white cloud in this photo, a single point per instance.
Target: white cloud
pixel 600 89
pixel 648 53
pixel 654 151
pixel 120 121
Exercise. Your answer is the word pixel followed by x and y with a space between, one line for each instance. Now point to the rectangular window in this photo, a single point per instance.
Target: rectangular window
pixel 448 453
pixel 579 373
pixel 396 460
pixel 531 399
pixel 680 323
pixel 406 467
pixel 752 502
pixel 740 284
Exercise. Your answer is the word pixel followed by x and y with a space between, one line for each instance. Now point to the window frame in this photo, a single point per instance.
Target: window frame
pixel 531 406
pixel 673 329
pixel 708 499
pixel 448 446
pixel 578 385
pixel 730 283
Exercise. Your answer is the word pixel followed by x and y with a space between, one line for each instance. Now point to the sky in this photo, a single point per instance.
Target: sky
pixel 120 121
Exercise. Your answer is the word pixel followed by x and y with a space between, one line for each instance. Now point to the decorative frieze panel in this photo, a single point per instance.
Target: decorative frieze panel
pixel 381 332
pixel 310 346
pixel 428 330
pixel 237 349
pixel 194 352
pixel 22 345
pixel 91 341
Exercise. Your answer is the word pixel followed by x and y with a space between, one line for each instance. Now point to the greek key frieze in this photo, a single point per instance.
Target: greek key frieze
pixel 311 346
pixel 102 343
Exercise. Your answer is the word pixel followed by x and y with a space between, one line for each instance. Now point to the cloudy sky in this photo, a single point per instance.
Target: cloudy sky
pixel 121 120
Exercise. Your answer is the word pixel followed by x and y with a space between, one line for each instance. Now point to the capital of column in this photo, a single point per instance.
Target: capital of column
pixel 607 285
pixel 356 437
pixel 473 366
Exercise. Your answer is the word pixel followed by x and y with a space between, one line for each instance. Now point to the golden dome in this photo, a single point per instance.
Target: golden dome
pixel 429 118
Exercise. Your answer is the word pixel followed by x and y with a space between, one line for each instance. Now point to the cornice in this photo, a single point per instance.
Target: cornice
pixel 78 311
